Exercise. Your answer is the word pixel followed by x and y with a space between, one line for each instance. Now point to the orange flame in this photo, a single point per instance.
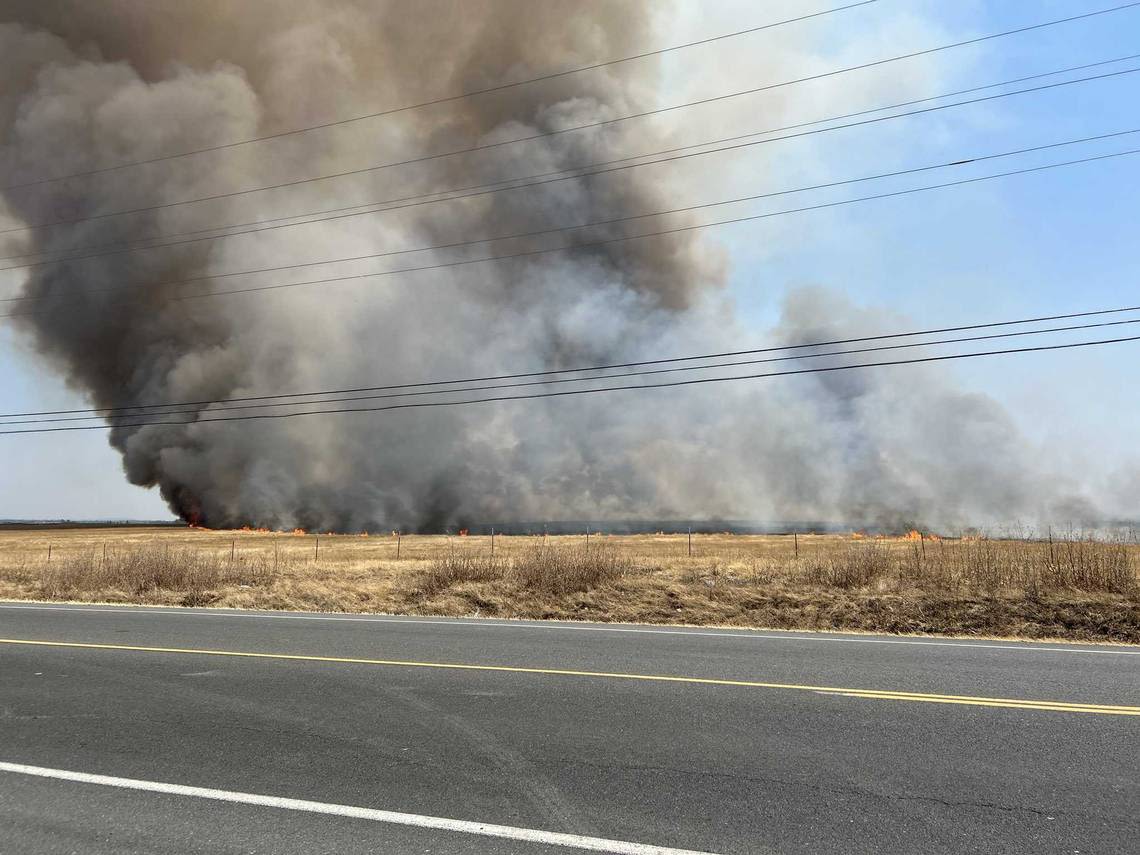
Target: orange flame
pixel 463 532
pixel 858 535
pixel 915 534
pixel 299 532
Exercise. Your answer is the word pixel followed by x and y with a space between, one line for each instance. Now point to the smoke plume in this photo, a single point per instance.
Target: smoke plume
pixel 87 85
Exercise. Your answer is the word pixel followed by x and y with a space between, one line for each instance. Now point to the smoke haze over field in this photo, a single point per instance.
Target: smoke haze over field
pixel 89 85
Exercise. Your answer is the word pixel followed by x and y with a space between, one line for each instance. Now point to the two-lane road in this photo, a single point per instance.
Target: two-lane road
pixel 167 730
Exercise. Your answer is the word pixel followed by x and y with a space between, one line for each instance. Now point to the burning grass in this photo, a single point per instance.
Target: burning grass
pixel 1076 587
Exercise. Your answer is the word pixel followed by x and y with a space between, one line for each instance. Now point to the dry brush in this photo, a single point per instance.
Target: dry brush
pixel 1076 587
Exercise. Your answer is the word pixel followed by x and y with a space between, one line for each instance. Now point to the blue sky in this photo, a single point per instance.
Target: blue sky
pixel 1051 242
pixel 1023 246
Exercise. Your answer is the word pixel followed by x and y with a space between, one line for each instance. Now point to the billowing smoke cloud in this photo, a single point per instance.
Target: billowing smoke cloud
pixel 93 84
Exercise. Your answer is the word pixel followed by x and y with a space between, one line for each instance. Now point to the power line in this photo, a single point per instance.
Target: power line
pixel 496 187
pixel 595 223
pixel 602 123
pixel 594 368
pixel 445 99
pixel 642 373
pixel 622 239
pixel 572 392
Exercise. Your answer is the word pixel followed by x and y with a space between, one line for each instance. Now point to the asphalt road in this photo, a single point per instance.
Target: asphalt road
pixel 412 735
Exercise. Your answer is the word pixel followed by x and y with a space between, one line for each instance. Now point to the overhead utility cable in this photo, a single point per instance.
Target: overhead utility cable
pixel 596 390
pixel 606 377
pixel 610 241
pixel 570 129
pixel 593 223
pixel 447 98
pixel 610 166
pixel 1089 313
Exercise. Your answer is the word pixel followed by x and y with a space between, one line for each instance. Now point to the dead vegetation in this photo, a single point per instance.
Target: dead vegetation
pixel 146 572
pixel 1076 587
pixel 560 570
pixel 443 573
pixel 551 570
pixel 985 566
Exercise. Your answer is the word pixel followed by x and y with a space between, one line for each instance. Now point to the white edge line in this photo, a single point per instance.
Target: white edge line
pixel 484 829
pixel 744 634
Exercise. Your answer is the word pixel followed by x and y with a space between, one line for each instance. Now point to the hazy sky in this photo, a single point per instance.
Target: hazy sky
pixel 1039 244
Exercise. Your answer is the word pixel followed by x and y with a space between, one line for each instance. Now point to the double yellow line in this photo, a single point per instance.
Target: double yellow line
pixel 868 694
pixel 968 700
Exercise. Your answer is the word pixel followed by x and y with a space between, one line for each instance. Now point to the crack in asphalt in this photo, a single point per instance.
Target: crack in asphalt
pixel 820 788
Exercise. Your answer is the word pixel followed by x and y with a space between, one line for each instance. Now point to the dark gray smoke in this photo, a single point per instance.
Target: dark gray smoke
pixel 88 85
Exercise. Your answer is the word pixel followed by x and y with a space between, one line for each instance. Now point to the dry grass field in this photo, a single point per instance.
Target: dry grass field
pixel 1071 588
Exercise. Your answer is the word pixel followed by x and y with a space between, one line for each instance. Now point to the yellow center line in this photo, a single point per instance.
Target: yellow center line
pixel 1051 706
pixel 870 694
pixel 873 693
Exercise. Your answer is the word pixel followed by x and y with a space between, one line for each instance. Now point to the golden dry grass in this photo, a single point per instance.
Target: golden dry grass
pixel 1071 588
